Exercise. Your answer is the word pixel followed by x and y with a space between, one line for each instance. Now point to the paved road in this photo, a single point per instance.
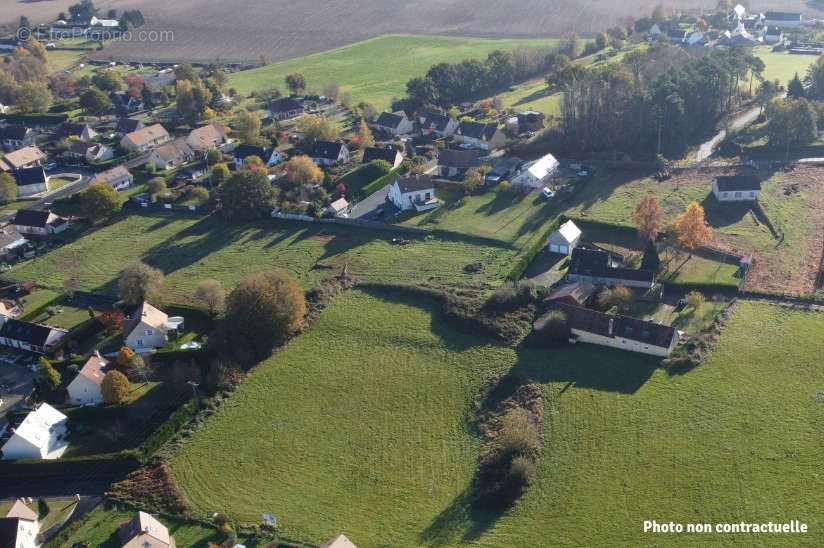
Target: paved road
pixel 706 149
pixel 84 180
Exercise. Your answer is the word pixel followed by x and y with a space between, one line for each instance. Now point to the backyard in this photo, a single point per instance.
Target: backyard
pixel 394 458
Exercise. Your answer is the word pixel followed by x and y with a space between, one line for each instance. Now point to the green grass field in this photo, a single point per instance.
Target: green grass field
pixel 783 65
pixel 100 526
pixel 54 511
pixel 375 70
pixel 361 427
pixel 189 250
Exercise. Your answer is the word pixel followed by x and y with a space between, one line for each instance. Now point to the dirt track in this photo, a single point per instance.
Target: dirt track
pixel 207 30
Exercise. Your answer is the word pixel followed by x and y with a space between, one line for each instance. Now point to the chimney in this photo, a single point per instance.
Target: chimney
pixel 97 353
pixel 611 322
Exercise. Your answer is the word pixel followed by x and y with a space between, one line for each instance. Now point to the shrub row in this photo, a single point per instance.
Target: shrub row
pixel 35 119
pixel 81 331
pixel 164 433
pixel 522 262
pixel 93 466
pixel 378 184
pixel 34 312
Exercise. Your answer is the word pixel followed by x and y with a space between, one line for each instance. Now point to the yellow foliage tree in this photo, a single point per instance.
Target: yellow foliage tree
pixel 124 357
pixel 691 227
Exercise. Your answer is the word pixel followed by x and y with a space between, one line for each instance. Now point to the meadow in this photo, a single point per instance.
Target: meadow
pixel 363 427
pixel 375 70
pixel 189 250
pixel 783 66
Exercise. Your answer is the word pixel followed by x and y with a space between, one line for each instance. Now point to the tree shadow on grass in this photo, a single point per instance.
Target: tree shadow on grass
pixel 720 215
pixel 502 201
pixel 460 522
pixel 588 366
pixel 534 96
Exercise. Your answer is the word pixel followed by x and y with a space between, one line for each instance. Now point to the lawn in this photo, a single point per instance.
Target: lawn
pixel 100 526
pixel 783 66
pixel 14 206
pixel 49 515
pixel 352 67
pixel 791 201
pixel 189 250
pixel 379 446
pixel 59 182
pixel 65 316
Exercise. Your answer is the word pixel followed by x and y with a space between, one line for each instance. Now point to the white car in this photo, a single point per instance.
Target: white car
pixel 547 192
pixel 466 146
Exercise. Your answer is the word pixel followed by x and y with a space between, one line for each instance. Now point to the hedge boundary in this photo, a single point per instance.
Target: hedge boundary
pixel 381 182
pixel 522 262
pixel 34 312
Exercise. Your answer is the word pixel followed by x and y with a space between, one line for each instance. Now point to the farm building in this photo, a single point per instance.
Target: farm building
pixel 145 531
pixel 146 329
pixel 537 173
pixel 118 177
pixel 590 265
pixel 327 153
pixel 616 331
pixel 565 239
pixel 85 387
pixel 39 223
pixel 388 154
pixel 30 156
pixel 145 138
pixel 394 123
pixel 736 188
pixel 31 181
pixel 39 436
pixel 455 163
pixel 285 108
pixel 413 192
pixel 483 136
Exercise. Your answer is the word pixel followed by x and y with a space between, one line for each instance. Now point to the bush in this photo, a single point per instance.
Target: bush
pixel 510 297
pixel 555 331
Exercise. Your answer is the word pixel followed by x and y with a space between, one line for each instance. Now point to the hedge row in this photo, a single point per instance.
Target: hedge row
pixel 93 466
pixel 81 331
pixel 523 261
pixel 34 312
pixel 165 431
pixel 381 182
pixel 33 119
pixel 707 289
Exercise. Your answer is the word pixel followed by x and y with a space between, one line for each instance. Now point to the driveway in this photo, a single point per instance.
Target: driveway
pixel 15 381
pixel 368 209
pixel 82 182
pixel 546 268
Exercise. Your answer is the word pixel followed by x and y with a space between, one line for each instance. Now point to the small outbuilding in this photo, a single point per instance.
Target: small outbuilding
pixel 565 239
pixel 736 188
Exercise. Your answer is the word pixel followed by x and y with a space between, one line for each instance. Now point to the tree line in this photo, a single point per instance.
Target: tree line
pixel 652 102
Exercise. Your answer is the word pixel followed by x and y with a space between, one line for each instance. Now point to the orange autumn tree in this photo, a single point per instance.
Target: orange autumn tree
pixel 691 227
pixel 648 217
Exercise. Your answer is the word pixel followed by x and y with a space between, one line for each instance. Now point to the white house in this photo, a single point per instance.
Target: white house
pixel 537 173
pixel 435 123
pixel 19 529
pixel 270 156
pixel 39 223
pixel 145 138
pixel 118 177
pixel 207 137
pixel 597 267
pixel 146 329
pixel 413 192
pixel 172 154
pixel 31 181
pixel 31 337
pixel 483 136
pixel 394 123
pixel 326 153
pixel 782 19
pixel 145 531
pixel 391 155
pixel 736 188
pixel 16 136
pixel 616 331
pixel 40 435
pixel 85 387
pixel 338 208
pixel 565 239
pixel 29 156
pixel 11 243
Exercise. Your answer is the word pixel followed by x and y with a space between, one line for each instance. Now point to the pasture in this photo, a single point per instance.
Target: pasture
pixel 783 66
pixel 189 250
pixel 788 263
pixel 363 427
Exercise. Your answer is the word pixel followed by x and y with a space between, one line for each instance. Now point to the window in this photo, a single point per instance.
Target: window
pixel 737 194
pixel 139 342
pixel 427 197
pixel 150 332
pixel 646 347
pixel 623 341
pixel 725 194
pixel 752 194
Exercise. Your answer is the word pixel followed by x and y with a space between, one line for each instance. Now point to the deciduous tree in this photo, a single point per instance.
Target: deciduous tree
pixel 651 260
pixel 648 217
pixel 247 127
pixel 692 228
pixel 247 195
pixel 95 101
pixel 100 201
pixel 115 387
pixel 140 282
pixel 695 299
pixel 210 297
pixel 156 185
pixel 47 380
pixel 296 82
pixel 8 188
pixel 365 137
pixel 301 170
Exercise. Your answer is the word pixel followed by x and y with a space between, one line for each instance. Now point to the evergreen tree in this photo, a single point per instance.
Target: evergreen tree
pixel 795 90
pixel 651 261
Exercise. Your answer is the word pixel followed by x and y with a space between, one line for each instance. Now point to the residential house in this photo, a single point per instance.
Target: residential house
pixel 676 35
pixel 617 331
pixel 160 79
pixel 455 163
pixel 146 328
pixel 483 136
pixel 118 177
pixel 145 138
pixel 390 155
pixel 32 337
pixel 327 153
pixel 145 531
pixel 595 266
pixel 655 30
pixel 437 124
pixel 124 101
pixel 537 173
pixel 782 19
pixel 90 152
pixel 740 36
pixel 285 108
pixel 31 181
pixel 696 38
pixel 206 137
pixel 85 387
pixel 29 156
pixel 530 120
pixel 502 171
pixel 339 541
pixel 12 243
pixel 270 156
pixel 773 34
pixel 338 208
pixel 565 239
pixel 20 528
pixel 736 188
pixel 39 223
pixel 736 15
pixel 39 436
pixel 575 293
pixel 84 132
pixel 394 123
pixel 172 154
pixel 127 125
pixel 413 192
pixel 16 136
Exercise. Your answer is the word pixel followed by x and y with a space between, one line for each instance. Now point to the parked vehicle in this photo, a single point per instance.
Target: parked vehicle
pixel 547 192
